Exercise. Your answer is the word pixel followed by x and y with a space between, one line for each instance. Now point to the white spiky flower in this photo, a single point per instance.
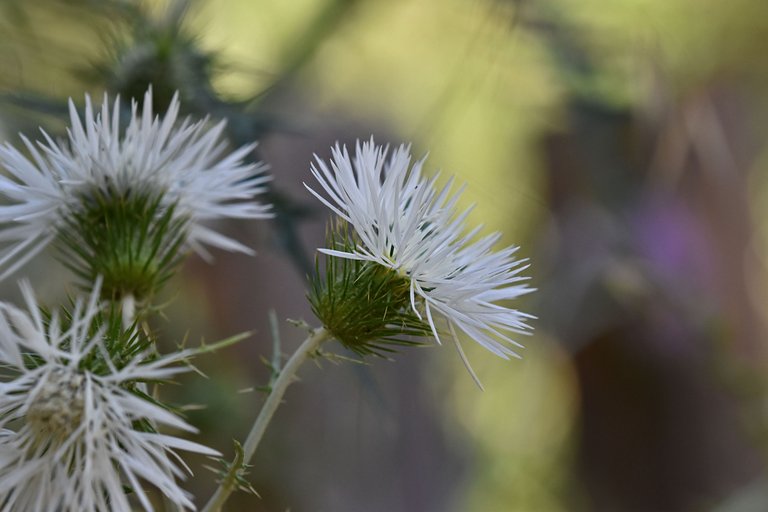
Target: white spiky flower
pixel 405 223
pixel 70 439
pixel 186 163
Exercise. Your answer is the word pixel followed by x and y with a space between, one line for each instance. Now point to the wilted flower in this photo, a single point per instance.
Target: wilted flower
pixel 78 430
pixel 402 222
pixel 124 201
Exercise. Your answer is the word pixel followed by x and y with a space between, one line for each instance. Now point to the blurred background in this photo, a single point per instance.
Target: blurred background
pixel 620 144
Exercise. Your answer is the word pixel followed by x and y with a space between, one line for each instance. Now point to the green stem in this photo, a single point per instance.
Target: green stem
pixel 265 415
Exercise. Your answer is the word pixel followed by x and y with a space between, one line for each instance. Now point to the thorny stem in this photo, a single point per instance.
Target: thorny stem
pixel 274 398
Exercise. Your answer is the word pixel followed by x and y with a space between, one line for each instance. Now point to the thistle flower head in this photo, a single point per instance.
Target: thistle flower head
pixel 123 201
pixel 77 428
pixel 404 223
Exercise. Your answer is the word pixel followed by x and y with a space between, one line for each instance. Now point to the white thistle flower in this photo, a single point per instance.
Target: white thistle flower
pixel 185 161
pixel 406 224
pixel 69 439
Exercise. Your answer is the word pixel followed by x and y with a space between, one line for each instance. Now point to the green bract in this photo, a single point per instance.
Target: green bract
pixel 130 239
pixel 365 306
